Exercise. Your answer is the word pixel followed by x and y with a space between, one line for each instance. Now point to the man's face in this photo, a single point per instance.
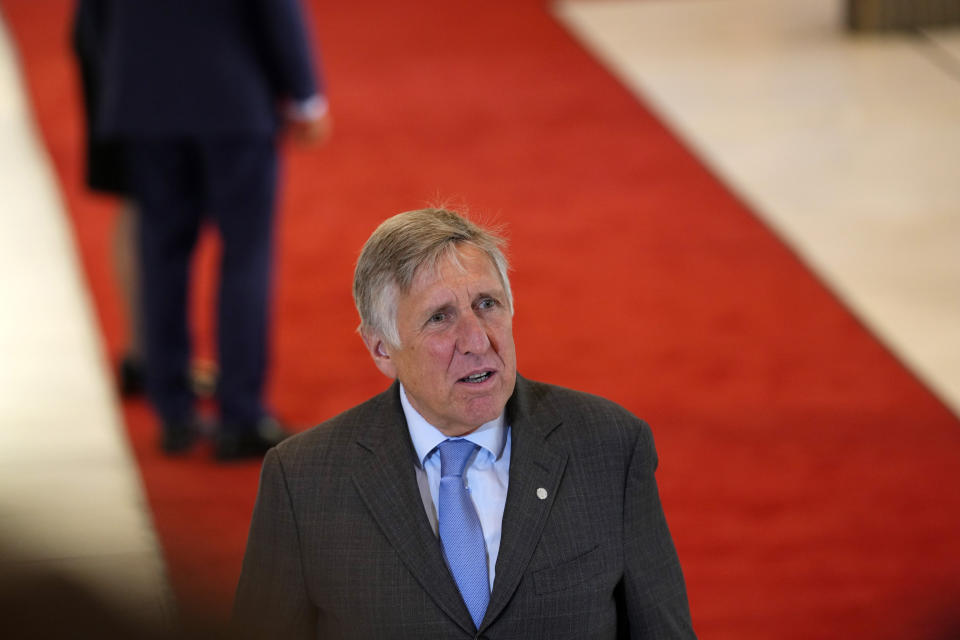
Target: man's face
pixel 457 360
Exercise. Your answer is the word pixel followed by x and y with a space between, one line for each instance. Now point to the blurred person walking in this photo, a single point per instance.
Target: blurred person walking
pixel 197 92
pixel 105 173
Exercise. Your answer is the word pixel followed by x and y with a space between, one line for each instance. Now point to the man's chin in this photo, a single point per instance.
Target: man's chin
pixel 480 411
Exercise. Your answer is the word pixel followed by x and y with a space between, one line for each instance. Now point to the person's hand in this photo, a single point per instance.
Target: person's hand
pixel 312 130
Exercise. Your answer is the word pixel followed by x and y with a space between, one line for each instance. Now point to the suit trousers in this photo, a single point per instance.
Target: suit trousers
pixel 179 183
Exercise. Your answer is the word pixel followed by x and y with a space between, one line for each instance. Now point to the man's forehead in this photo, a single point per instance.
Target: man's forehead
pixel 463 265
pixel 440 280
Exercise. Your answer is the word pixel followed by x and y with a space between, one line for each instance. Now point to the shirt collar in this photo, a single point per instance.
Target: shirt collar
pixel 492 435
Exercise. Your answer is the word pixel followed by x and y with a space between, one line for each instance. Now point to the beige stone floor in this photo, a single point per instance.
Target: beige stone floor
pixel 848 146
pixel 70 495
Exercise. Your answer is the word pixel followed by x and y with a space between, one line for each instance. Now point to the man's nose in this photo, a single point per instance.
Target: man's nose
pixel 472 335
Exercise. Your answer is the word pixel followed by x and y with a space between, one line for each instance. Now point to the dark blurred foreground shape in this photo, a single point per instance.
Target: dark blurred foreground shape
pixel 878 15
pixel 41 604
pixel 48 606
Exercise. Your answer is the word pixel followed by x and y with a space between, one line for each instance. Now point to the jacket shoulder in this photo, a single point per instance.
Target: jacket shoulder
pixel 585 420
pixel 573 405
pixel 333 436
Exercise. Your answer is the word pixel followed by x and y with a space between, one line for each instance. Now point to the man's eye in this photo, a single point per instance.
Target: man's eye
pixel 438 317
pixel 487 303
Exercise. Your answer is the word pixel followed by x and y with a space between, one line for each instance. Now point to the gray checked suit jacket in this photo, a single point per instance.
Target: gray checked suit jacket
pixel 340 546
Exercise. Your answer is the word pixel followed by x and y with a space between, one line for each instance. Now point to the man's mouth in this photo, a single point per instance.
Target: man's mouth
pixel 477 378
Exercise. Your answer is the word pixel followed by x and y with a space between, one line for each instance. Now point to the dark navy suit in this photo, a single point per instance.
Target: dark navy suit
pixel 194 87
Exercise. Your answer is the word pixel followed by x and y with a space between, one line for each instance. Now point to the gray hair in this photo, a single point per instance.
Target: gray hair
pixel 400 246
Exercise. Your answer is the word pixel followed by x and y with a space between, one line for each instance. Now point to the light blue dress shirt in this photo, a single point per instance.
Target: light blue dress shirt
pixel 487 474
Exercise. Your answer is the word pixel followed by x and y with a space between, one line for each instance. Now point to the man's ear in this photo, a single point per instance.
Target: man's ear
pixel 381 352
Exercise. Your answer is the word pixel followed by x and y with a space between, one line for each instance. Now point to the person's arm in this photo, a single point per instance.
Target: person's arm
pixel 283 27
pixel 295 65
pixel 272 599
pixel 654 592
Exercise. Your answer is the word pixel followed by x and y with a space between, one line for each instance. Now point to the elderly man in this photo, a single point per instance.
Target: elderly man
pixel 465 501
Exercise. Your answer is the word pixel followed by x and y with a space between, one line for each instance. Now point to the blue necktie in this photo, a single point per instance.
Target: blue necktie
pixel 460 531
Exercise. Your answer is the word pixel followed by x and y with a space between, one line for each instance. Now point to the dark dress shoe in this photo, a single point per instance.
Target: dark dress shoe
pixel 178 438
pixel 236 442
pixel 130 376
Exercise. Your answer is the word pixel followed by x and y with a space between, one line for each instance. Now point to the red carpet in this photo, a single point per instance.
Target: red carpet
pixel 810 481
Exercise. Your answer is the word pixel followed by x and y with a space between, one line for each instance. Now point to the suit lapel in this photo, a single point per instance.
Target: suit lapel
pixel 387 483
pixel 535 473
